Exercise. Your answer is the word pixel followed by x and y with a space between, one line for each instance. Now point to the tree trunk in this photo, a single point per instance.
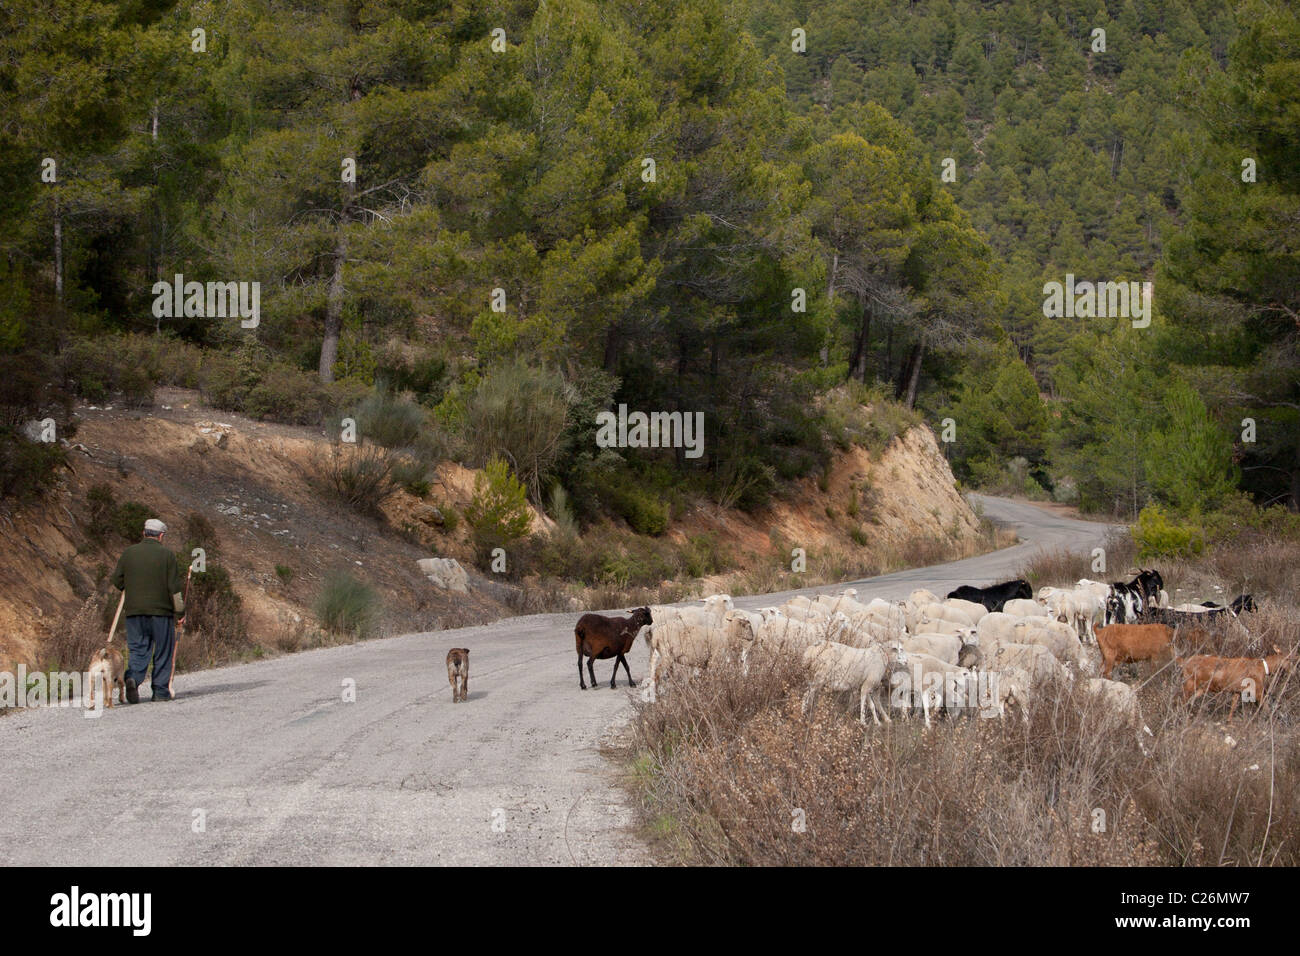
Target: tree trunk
pixel 329 349
pixel 159 218
pixel 58 253
pixel 611 348
pixel 889 353
pixel 909 377
pixel 861 346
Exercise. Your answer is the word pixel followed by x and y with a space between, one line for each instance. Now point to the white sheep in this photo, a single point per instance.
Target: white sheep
pixel 1035 659
pixel 997 626
pixel 718 604
pixel 1012 685
pixel 788 637
pixel 1060 639
pixel 946 647
pixel 922 596
pixel 935 683
pixel 800 608
pixel 1023 607
pixel 686 615
pixel 928 626
pixel 974 610
pixel 692 644
pixel 937 612
pixel 838 667
pixel 864 631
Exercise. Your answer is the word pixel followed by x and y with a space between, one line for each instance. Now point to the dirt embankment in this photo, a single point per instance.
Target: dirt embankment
pixel 279 535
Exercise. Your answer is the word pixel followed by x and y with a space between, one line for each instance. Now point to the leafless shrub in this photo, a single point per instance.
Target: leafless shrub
pixel 360 475
pixel 76 637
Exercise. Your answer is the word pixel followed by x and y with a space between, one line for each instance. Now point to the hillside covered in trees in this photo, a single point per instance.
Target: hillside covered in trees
pixel 479 224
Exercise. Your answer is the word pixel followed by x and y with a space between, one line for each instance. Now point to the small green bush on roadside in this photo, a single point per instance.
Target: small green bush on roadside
pixel 348 606
pixel 498 513
pixel 1157 535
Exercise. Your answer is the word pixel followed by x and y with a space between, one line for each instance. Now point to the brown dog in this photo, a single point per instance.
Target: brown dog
pixel 458 673
pixel 106 667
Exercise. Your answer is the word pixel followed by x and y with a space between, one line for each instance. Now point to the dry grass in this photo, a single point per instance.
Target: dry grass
pixel 1062 567
pixel 74 639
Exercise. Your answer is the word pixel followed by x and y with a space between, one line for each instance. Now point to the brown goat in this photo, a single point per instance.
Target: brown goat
pixel 1127 643
pixel 1237 675
pixel 600 637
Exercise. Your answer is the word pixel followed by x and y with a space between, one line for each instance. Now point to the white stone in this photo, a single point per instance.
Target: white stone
pixel 446 573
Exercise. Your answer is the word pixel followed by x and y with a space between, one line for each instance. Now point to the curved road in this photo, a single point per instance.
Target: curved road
pixel 266 763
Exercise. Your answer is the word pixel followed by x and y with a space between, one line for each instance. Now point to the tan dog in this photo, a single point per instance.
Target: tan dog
pixel 106 666
pixel 458 673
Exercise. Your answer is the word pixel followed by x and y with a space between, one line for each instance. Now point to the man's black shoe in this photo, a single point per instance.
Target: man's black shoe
pixel 132 695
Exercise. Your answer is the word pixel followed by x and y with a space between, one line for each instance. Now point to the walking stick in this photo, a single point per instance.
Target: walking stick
pixel 176 645
pixel 120 603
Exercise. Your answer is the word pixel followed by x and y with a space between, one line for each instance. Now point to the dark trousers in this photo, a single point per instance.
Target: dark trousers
pixel 151 637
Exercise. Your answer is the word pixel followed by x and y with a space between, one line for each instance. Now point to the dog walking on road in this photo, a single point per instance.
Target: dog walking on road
pixel 458 673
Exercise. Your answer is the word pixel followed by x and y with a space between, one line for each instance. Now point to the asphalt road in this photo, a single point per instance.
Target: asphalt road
pixel 267 763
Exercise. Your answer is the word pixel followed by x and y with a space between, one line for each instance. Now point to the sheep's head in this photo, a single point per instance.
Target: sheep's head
pixel 641 617
pixel 739 626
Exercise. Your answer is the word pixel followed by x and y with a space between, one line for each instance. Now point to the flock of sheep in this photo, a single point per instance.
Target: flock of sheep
pixel 923 653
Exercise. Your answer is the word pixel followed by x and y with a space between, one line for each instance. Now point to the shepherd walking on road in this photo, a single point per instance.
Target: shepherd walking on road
pixel 154 605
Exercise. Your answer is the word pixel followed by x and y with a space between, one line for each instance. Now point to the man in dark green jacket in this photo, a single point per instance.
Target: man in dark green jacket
pixel 151 577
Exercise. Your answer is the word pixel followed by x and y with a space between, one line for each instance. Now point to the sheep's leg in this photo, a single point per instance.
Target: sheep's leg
pixel 614 679
pixel 808 699
pixel 653 682
pixel 591 669
pixel 884 708
pixel 582 683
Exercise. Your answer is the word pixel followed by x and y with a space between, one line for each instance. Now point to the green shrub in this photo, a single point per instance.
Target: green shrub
pixel 109 519
pixel 286 394
pixel 197 532
pixel 561 512
pixel 284 573
pixel 390 420
pixel 412 474
pixel 215 626
pixel 1157 536
pixel 346 605
pixel 129 519
pixel 702 556
pixel 746 482
pixel 519 413
pixel 450 519
pixel 27 468
pixel 498 513
pixel 644 513
pixel 424 374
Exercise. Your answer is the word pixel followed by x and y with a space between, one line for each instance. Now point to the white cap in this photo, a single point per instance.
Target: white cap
pixel 154 526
